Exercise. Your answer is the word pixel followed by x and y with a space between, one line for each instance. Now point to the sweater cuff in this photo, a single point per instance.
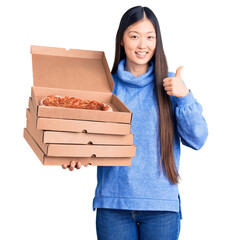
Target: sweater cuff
pixel 186 100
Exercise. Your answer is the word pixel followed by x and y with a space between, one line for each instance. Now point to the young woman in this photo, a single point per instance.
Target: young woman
pixel 142 201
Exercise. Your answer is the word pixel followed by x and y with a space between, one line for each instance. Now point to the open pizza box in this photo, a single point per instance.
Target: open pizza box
pixel 80 73
pixel 70 125
pixel 47 160
pixel 60 135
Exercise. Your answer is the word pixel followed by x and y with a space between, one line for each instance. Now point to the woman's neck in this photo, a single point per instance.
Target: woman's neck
pixel 136 69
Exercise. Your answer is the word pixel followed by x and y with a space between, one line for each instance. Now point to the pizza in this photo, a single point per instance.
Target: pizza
pixel 74 102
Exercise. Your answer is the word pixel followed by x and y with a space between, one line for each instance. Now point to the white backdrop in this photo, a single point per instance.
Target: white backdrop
pixel 43 202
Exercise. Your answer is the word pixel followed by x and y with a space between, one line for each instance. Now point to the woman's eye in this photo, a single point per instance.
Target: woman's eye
pixel 150 37
pixel 135 37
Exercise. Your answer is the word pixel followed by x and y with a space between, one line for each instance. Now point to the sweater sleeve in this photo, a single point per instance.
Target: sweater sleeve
pixel 190 122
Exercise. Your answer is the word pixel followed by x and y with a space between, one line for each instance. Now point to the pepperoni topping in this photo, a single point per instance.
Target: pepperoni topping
pixel 74 102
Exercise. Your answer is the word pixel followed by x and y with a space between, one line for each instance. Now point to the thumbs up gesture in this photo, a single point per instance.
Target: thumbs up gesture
pixel 174 86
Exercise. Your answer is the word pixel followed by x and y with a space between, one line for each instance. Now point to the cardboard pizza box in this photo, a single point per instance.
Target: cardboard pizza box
pixel 84 74
pixel 45 160
pixel 81 150
pixel 78 138
pixel 80 73
pixel 69 125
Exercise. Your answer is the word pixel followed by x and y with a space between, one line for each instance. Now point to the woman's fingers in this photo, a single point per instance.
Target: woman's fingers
pixel 64 166
pixel 72 166
pixel 165 80
pixel 78 165
pixel 168 89
pixel 168 84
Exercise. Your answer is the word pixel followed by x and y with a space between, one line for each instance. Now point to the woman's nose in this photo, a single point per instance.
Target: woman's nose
pixel 142 43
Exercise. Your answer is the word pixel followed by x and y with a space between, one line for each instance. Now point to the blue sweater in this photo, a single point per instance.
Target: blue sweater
pixel 141 186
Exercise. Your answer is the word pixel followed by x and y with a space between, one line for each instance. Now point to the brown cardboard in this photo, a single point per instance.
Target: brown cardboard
pixel 75 150
pixel 84 74
pixel 71 69
pixel 120 114
pixel 81 150
pixel 82 126
pixel 87 138
pixel 65 160
pixel 77 138
pixel 78 125
pixel 81 73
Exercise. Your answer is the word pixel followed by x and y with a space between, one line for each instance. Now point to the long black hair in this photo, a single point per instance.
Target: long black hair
pixel 166 130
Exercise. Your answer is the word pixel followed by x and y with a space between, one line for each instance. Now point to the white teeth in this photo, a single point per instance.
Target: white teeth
pixel 141 53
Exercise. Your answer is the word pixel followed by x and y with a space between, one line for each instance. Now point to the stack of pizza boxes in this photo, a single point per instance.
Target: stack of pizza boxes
pixel 59 135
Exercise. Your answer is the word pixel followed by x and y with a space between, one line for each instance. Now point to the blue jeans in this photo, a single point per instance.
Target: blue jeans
pixel 116 224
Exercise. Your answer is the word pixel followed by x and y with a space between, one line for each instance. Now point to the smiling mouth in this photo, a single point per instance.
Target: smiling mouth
pixel 141 53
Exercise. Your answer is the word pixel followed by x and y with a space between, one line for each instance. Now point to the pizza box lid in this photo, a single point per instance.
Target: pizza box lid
pixel 71 69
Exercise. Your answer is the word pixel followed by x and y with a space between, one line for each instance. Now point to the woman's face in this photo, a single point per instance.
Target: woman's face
pixel 139 41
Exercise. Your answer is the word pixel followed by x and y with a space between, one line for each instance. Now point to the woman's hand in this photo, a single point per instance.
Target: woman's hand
pixel 73 165
pixel 174 86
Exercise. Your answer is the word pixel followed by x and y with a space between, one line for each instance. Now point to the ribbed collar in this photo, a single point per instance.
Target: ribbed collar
pixel 129 78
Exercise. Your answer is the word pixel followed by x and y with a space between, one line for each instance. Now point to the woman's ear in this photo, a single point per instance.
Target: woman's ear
pixel 121 43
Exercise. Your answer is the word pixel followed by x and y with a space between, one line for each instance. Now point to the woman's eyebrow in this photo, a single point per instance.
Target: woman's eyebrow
pixel 147 32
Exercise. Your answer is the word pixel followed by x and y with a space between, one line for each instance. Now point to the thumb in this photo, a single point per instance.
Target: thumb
pixel 178 70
